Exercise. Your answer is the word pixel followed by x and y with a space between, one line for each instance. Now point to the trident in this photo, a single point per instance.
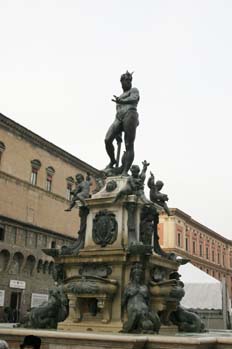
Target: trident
pixel 119 143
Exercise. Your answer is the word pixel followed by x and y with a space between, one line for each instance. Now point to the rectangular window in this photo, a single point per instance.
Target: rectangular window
pixel 218 258
pixel 223 259
pixel 213 256
pixel 178 240
pixel 2 148
pixel 2 233
pixel 33 177
pixel 207 252
pixel 186 244
pixel 49 184
pixel 53 244
pixel 68 191
pixel 194 247
pixel 200 250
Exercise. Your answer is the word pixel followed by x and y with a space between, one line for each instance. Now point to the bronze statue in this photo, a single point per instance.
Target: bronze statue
pixel 136 300
pixel 147 224
pixel 187 321
pixel 49 313
pixel 81 192
pixel 126 121
pixel 149 220
pixel 135 183
pixel 155 195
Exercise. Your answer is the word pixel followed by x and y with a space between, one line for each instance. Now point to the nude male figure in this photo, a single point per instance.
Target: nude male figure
pixel 126 121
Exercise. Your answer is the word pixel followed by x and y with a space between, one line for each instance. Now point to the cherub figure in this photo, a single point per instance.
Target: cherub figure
pixel 81 192
pixel 135 183
pixel 155 195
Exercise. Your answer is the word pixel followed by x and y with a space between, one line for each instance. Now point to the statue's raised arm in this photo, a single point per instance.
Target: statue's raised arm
pixel 155 193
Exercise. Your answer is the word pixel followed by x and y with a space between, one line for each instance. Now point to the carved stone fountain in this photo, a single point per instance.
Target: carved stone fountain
pixel 116 277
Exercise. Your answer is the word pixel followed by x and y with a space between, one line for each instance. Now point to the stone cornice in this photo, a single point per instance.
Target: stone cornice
pixel 189 220
pixel 31 137
pixel 28 185
pixel 200 260
pixel 34 228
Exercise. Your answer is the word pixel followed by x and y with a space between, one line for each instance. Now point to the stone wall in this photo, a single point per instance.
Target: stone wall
pixel 22 259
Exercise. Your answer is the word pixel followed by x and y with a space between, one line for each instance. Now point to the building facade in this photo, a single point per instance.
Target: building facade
pixel 206 249
pixel 36 179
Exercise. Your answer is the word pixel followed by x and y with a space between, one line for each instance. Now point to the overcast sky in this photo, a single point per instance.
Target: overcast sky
pixel 61 62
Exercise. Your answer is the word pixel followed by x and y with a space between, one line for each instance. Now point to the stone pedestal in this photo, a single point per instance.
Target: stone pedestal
pixel 126 214
pixel 96 277
pixel 107 292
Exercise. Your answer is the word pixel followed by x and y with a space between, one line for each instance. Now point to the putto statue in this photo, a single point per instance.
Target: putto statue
pixel 81 192
pixel 126 121
pixel 155 195
pixel 135 183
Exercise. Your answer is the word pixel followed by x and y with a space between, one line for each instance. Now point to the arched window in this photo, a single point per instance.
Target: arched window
pixel 50 172
pixel 29 266
pixel 35 166
pixel 39 266
pixel 50 267
pixel 45 267
pixel 69 185
pixel 4 260
pixel 16 263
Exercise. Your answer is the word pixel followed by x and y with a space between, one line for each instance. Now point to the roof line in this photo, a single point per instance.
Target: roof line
pixel 43 143
pixel 184 215
pixel 33 227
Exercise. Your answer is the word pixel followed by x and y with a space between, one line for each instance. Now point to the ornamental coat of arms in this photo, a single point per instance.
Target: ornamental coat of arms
pixel 105 228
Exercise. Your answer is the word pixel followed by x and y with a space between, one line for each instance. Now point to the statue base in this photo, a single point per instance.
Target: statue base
pixel 94 284
pixel 113 279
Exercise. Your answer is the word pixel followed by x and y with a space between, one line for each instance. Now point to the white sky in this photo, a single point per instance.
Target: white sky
pixel 61 62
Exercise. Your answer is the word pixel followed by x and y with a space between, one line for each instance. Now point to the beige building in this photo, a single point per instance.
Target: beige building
pixel 36 178
pixel 208 250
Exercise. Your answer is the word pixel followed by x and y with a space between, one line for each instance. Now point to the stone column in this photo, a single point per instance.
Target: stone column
pixel 73 312
pixel 107 310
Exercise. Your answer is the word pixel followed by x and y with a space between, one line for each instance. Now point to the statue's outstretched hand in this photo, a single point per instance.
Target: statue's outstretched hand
pixel 145 164
pixel 115 99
